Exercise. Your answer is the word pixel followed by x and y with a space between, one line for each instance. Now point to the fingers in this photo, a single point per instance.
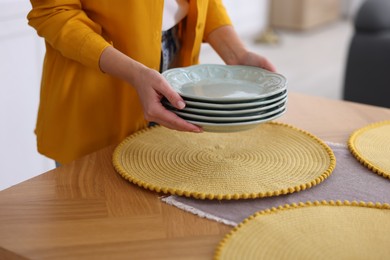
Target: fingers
pixel 151 87
pixel 253 59
pixel 173 97
pixel 164 117
pixel 266 64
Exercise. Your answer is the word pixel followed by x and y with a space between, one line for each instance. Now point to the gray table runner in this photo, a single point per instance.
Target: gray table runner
pixel 349 181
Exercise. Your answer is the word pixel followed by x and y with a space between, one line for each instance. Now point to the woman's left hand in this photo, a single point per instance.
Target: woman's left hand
pixel 231 49
pixel 254 59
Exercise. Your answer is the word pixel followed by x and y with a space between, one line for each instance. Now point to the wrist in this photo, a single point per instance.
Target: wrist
pixel 119 65
pixel 227 44
pixel 236 56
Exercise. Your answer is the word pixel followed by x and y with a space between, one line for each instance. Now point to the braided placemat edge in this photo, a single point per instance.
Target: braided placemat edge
pixel 352 148
pixel 120 169
pixel 272 210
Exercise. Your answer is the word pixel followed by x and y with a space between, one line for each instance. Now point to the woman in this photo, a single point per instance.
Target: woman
pixel 101 79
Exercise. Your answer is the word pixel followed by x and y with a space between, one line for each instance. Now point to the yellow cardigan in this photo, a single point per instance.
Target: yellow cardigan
pixel 82 109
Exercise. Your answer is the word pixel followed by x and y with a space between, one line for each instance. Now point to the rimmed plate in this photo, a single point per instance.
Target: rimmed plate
pixel 232 106
pixel 230 119
pixel 236 112
pixel 224 83
pixel 234 127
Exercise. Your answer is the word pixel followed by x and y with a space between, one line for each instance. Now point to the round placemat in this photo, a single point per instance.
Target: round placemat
pixel 269 160
pixel 318 230
pixel 371 146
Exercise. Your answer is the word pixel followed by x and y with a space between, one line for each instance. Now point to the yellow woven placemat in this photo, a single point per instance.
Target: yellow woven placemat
pixel 269 160
pixel 371 146
pixel 318 230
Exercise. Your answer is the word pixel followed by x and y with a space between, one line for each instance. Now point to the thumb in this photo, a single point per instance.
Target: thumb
pixel 172 96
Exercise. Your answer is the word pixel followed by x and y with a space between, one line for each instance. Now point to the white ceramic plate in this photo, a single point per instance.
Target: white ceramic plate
pixel 251 104
pixel 234 127
pixel 236 112
pixel 224 83
pixel 229 119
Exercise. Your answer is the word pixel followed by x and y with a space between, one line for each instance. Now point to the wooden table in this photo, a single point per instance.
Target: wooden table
pixel 85 210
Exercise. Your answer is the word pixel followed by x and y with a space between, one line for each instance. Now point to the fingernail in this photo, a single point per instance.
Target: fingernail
pixel 180 104
pixel 197 130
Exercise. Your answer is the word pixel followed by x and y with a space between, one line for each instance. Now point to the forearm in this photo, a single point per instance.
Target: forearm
pixel 117 64
pixel 231 49
pixel 227 44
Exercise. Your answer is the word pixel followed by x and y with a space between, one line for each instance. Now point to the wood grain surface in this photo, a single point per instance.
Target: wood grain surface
pixel 85 210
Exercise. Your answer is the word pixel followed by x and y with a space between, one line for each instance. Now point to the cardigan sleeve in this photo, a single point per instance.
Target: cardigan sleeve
pixel 67 28
pixel 216 16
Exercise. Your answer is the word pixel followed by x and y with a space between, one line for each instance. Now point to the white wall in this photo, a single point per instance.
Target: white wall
pixel 21 54
pixel 248 16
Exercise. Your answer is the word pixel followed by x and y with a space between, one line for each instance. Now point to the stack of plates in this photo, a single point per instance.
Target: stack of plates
pixel 223 98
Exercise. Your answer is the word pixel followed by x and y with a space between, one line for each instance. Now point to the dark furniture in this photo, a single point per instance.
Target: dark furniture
pixel 367 75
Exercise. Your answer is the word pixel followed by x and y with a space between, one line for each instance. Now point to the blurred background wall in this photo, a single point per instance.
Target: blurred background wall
pixel 21 55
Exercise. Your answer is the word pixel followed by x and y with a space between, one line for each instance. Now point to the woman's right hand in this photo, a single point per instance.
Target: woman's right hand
pixel 151 87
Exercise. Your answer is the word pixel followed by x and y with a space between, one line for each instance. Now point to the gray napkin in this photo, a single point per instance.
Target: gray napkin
pixel 349 181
